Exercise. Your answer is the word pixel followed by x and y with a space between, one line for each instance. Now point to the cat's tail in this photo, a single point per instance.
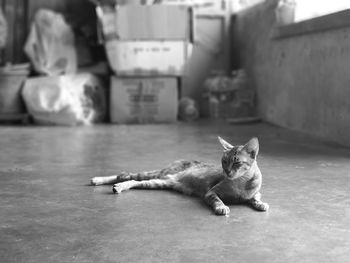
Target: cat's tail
pixel 126 176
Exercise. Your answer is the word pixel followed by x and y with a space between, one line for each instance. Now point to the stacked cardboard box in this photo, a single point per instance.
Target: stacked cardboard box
pixel 147 48
pixel 201 7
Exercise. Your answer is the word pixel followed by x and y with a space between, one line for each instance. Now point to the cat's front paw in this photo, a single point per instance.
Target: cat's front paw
pixel 117 188
pixel 261 206
pixel 222 210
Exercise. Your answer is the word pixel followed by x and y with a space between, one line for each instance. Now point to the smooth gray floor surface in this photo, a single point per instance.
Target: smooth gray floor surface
pixel 49 213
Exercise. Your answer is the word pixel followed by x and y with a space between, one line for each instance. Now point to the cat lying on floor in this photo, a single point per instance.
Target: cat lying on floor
pixel 238 179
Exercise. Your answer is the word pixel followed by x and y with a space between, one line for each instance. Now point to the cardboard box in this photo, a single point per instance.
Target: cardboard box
pixel 143 100
pixel 146 22
pixel 154 22
pixel 202 7
pixel 148 58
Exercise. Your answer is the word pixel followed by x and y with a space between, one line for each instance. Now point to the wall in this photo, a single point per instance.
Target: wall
pixel 16 19
pixel 73 8
pixel 303 82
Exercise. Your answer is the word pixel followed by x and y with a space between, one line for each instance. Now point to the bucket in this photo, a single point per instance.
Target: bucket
pixel 12 79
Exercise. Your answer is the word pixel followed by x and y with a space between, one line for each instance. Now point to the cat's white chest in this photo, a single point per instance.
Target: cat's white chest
pixel 240 189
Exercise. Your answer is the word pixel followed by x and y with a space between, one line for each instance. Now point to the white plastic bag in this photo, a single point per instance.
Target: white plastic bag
pixel 65 100
pixel 50 44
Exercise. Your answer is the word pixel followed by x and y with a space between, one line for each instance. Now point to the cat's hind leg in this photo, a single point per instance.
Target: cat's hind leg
pixel 257 204
pixel 146 184
pixel 112 179
pixel 126 176
pixel 100 180
pixel 173 168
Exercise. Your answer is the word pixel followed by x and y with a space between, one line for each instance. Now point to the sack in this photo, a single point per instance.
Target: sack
pixel 65 100
pixel 50 44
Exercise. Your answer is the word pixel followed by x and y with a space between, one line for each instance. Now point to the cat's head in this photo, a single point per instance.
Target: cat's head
pixel 237 160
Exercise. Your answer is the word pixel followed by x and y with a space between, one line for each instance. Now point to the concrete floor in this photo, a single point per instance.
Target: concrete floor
pixel 50 214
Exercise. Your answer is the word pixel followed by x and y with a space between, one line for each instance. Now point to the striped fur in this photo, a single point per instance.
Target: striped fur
pixel 238 179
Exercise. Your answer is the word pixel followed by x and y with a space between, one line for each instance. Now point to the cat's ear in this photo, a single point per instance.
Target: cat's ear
pixel 252 147
pixel 225 144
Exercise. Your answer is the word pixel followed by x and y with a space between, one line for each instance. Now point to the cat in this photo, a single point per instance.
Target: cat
pixel 237 180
